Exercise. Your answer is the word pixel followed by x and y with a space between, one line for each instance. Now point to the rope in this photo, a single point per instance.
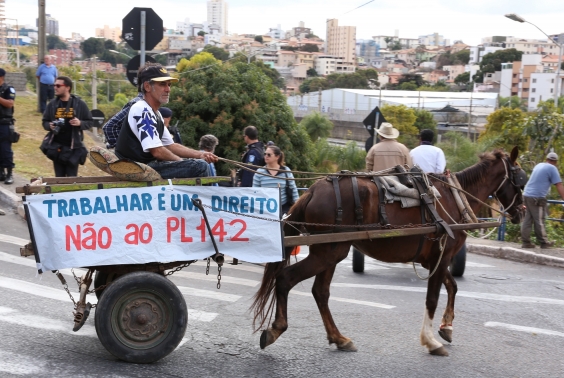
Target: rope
pixel 442 245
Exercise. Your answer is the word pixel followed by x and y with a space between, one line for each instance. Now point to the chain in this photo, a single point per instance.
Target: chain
pixel 219 276
pixel 179 268
pixel 76 278
pixel 208 267
pixel 65 286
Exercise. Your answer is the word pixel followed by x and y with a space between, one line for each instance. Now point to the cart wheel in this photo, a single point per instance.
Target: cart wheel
pixel 458 262
pixel 141 317
pixel 102 278
pixel 357 261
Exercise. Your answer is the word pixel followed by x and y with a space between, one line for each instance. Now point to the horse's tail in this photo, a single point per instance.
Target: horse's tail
pixel 264 301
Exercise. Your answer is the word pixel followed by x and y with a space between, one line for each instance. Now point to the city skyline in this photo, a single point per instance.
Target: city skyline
pixel 466 22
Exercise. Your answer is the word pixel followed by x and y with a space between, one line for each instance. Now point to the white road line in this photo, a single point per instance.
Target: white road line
pixel 248 267
pixel 12 316
pixel 467 294
pixel 478 265
pixel 30 262
pixel 209 294
pixel 13 240
pixel 213 277
pixel 61 295
pixel 17 364
pixel 346 300
pixel 519 328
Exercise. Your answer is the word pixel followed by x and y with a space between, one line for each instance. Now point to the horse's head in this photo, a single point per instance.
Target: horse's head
pixel 509 191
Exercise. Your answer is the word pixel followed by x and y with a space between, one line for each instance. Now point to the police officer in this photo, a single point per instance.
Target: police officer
pixel 7 97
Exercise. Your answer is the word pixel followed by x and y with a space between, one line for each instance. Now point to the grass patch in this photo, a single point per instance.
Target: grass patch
pixel 30 161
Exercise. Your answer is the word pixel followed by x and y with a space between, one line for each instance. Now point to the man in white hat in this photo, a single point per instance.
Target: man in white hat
pixel 534 197
pixel 389 152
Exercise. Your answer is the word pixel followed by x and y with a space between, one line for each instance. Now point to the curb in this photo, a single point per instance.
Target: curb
pixel 11 199
pixel 515 254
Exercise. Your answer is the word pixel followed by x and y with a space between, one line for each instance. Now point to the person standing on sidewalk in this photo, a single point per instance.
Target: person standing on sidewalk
pixel 46 73
pixel 7 98
pixel 543 175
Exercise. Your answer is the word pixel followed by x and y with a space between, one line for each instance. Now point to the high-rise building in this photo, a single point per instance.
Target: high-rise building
pixel 217 14
pixel 341 41
pixel 51 25
pixel 109 33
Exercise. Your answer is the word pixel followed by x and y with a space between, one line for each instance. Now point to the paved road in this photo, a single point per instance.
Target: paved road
pixel 509 322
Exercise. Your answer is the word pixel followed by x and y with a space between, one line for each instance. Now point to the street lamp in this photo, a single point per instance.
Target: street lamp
pixel 515 17
pixel 119 52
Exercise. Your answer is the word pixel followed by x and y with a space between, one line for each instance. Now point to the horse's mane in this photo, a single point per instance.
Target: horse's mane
pixel 479 171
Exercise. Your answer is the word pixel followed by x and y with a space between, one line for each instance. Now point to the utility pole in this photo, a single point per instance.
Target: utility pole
pixel 94 89
pixel 41 46
pixel 470 117
pixel 319 100
pixel 143 35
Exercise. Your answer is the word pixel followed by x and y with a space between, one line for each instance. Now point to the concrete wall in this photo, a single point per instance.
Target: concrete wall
pixel 16 80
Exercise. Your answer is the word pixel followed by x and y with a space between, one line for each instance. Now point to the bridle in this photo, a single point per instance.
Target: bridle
pixel 516 176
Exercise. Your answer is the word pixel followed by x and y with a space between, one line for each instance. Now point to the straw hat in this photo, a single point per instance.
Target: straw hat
pixel 388 131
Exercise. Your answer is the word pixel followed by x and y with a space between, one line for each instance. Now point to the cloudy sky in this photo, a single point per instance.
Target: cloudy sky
pixel 455 20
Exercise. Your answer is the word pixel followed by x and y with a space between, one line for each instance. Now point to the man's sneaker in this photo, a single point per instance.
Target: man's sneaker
pixel 547 245
pixel 527 245
pixel 2 174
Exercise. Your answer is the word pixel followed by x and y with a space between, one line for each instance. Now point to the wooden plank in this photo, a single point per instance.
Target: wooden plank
pixel 74 180
pixel 60 188
pixel 292 241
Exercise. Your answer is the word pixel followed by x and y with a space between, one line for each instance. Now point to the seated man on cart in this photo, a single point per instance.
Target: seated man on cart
pixel 148 141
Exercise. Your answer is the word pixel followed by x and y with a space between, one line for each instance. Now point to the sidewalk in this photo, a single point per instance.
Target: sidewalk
pixel 493 248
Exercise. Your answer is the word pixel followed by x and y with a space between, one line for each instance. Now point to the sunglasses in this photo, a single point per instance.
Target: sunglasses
pixel 268 154
pixel 59 85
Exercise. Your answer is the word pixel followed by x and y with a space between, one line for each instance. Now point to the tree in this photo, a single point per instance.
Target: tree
pixel 462 79
pixel 197 61
pixel 54 42
pixel 314 84
pixel 407 86
pixel 461 57
pixel 217 52
pixel 460 152
pixel 396 45
pixel 414 78
pixel 492 62
pixel 120 100
pixel 309 47
pixel 311 35
pixel 425 120
pixel 109 44
pixel 317 125
pixel 403 119
pixel 506 126
pixel 259 38
pixel 369 74
pixel 544 127
pixel 288 48
pixel 273 74
pixel 351 81
pixel 201 33
pixel 92 46
pixel 311 72
pixel 513 102
pixel 225 98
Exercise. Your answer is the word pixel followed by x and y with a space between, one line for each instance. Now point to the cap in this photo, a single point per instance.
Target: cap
pixel 154 73
pixel 552 156
pixel 165 112
pixel 270 143
pixel 2 72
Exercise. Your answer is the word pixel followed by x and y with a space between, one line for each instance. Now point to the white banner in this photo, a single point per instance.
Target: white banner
pixel 154 224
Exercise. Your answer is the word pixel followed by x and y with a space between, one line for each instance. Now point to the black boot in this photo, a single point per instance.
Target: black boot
pixel 9 178
pixel 2 174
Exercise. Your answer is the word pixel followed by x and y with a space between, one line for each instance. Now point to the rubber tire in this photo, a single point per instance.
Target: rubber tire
pixel 458 263
pixel 147 284
pixel 357 261
pixel 100 279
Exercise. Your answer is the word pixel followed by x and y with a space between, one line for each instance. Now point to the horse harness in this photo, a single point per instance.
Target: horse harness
pixel 516 176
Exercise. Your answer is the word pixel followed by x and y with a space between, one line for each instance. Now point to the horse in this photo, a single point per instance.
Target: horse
pixel 495 174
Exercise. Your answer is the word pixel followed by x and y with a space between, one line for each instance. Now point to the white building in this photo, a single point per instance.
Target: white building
pixel 478 52
pixel 542 88
pixel 341 41
pixel 328 64
pixel 406 43
pixel 276 33
pixel 434 39
pixel 218 14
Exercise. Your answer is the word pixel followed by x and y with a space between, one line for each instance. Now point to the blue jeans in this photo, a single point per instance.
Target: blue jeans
pixel 185 168
pixel 46 93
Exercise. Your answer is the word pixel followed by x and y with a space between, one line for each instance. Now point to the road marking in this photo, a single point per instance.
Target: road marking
pixel 13 240
pixel 213 277
pixel 478 265
pixel 30 262
pixel 12 316
pixel 17 364
pixel 467 294
pixel 61 295
pixel 209 294
pixel 519 328
pixel 346 300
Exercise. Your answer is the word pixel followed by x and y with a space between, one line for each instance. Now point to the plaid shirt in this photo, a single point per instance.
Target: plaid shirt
pixel 113 126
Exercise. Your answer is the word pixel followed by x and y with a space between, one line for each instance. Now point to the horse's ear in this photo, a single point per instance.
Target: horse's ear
pixel 514 154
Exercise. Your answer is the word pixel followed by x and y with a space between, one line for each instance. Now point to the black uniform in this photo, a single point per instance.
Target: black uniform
pixel 7 92
pixel 255 156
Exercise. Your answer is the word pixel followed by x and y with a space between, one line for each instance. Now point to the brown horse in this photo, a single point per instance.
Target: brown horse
pixel 493 175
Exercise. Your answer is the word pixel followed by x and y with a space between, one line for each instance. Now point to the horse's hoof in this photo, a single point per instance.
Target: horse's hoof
pixel 348 347
pixel 440 351
pixel 266 339
pixel 446 334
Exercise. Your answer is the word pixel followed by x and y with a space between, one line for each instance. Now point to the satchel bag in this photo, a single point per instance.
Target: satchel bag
pixel 49 148
pixel 14 135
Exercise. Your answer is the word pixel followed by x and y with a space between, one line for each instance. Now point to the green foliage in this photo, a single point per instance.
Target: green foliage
pixel 460 152
pixel 513 102
pixel 357 80
pixel 30 77
pixel 311 72
pixel 330 158
pixel 309 47
pixel 459 58
pixel 462 79
pixel 54 42
pixel 273 74
pixel 223 99
pixel 259 39
pixel 351 157
pixel 201 33
pixel 120 100
pixel 506 125
pixel 217 52
pixel 396 45
pixel 492 62
pixel 411 78
pixel 202 59
pixel 314 84
pixel 425 120
pixel 407 86
pixel 92 46
pixel 403 119
pixel 317 126
pixel 544 127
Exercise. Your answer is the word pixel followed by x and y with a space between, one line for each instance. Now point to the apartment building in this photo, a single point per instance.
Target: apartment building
pixel 434 39
pixel 109 33
pixel 218 14
pixel 543 85
pixel 51 25
pixel 341 41
pixel 328 64
pixel 453 72
pixel 406 43
pixel 478 52
pixel 62 57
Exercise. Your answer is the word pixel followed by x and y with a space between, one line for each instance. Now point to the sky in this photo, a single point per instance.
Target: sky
pixel 455 20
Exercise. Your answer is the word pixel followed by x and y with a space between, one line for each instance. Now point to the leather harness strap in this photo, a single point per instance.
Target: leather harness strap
pixel 382 201
pixel 358 210
pixel 335 181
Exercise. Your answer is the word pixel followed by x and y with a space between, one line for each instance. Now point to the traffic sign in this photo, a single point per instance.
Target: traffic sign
pixel 131 28
pixel 133 67
pixel 98 116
